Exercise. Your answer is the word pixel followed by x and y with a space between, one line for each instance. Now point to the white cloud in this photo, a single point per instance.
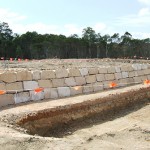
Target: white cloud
pixel 72 29
pixel 140 35
pixel 144 12
pixel 146 2
pixel 98 27
pixel 10 17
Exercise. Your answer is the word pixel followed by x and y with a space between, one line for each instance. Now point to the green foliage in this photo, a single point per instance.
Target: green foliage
pixel 32 45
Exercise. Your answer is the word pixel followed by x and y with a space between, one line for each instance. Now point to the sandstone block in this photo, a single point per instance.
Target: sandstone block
pixel 70 81
pixel 111 70
pixel 53 93
pixel 98 86
pixel 8 77
pixel 84 71
pixel 135 66
pixel 2 86
pixel 146 71
pixel 137 79
pixel 103 70
pixel 90 79
pixel 47 94
pixel 140 72
pixel 6 99
pixel 131 74
pixel 93 71
pixel 117 69
pixel 118 75
pixel 144 77
pixel 36 75
pixel 61 73
pixel 45 83
pixel 80 80
pixel 100 77
pixel 74 72
pixel 58 82
pixel 123 82
pixel 63 91
pixel 30 85
pixel 16 86
pixel 126 68
pixel 48 74
pixel 144 66
pixel 24 75
pixel 88 88
pixel 109 77
pixel 22 97
pixel 36 96
pixel 125 75
pixel 76 90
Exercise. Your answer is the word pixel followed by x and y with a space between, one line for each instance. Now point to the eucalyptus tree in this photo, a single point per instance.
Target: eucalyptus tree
pixel 126 43
pixel 90 36
pixel 5 40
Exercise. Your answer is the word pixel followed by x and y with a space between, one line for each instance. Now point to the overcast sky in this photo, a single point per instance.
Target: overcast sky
pixel 71 16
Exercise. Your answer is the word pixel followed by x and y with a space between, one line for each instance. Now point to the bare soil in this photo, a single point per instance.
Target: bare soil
pixel 127 130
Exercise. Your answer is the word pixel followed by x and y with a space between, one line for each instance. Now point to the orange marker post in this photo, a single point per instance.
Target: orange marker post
pixel 2 92
pixel 37 90
pixel 112 84
pixel 146 82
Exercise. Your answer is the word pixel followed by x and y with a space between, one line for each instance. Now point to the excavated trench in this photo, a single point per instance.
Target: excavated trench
pixel 64 119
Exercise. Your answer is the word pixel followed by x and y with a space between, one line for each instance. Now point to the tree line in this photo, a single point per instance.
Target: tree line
pixel 32 45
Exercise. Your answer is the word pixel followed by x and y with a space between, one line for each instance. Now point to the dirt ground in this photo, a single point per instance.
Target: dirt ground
pixel 127 130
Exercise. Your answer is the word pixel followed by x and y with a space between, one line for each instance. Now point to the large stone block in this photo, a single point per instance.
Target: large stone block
pixel 125 74
pixel 45 83
pixel 58 82
pixel 126 68
pixel 143 78
pixel 24 75
pixel 6 99
pixel 22 97
pixel 47 93
pixel 93 70
pixel 76 90
pixel 100 77
pixel 30 85
pixel 73 72
pixel 88 88
pixel 111 70
pixel 16 86
pixel 144 66
pixel 61 73
pixel 2 86
pixel 90 79
pixel 36 96
pixel 140 72
pixel 84 71
pixel 109 77
pixel 36 75
pixel 8 77
pixel 118 75
pixel 53 93
pixel 137 79
pixel 103 70
pixel 117 69
pixel 63 91
pixel 70 81
pixel 98 86
pixel 146 71
pixel 48 74
pixel 80 80
pixel 131 74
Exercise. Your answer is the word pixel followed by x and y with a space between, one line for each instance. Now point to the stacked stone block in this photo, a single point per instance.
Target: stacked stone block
pixel 63 82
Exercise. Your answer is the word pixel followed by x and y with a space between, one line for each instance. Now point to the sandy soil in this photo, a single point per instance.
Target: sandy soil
pixel 128 130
